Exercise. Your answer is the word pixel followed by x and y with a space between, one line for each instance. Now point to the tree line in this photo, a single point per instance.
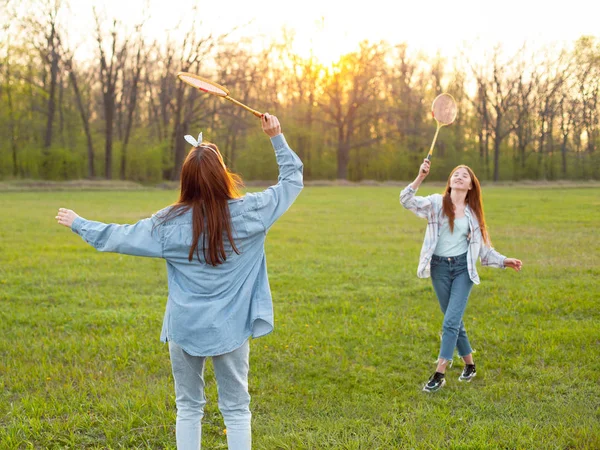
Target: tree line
pixel 122 113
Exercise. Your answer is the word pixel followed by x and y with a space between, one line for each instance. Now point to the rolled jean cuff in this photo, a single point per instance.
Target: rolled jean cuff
pixel 449 361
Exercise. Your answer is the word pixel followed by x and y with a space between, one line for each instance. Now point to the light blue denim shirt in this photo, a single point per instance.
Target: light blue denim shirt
pixel 211 310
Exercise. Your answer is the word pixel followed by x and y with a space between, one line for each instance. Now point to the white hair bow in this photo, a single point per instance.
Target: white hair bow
pixel 198 143
pixel 194 142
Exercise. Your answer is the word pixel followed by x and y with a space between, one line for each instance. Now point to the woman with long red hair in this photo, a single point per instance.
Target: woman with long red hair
pixel 455 238
pixel 213 240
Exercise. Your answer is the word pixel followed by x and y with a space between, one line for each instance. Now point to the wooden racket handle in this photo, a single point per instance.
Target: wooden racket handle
pixel 247 108
pixel 434 139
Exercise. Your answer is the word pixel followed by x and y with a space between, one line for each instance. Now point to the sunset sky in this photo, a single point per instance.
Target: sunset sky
pixel 329 29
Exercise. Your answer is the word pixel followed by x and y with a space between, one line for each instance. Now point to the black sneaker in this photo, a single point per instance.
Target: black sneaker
pixel 436 381
pixel 468 373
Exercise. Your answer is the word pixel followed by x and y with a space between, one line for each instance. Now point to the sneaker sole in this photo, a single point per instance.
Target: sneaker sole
pixel 437 389
pixel 468 380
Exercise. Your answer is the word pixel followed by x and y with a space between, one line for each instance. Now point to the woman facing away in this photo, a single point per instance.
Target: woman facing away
pixel 456 236
pixel 213 240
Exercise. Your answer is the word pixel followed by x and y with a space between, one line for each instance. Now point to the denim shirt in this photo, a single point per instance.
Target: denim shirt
pixel 211 310
pixel 430 208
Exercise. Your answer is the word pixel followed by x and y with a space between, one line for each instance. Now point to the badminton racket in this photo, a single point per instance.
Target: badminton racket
pixel 210 87
pixel 444 111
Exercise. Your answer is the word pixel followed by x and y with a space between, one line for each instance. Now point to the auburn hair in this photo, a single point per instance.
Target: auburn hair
pixel 474 200
pixel 206 186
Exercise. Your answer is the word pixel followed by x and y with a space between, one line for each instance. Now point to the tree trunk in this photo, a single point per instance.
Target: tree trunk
pixel 563 151
pixel 496 159
pixel 11 119
pixel 180 146
pixel 109 110
pixel 61 112
pixel 486 149
pixel 110 70
pixel 86 123
pixel 343 155
pixel 51 106
pixel 130 113
pixel 177 137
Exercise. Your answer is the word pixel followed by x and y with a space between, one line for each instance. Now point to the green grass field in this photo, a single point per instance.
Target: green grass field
pixel 356 333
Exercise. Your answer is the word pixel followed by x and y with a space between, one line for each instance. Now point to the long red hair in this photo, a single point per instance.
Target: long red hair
pixel 474 200
pixel 206 186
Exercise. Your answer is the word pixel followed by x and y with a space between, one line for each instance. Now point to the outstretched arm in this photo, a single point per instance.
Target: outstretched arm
pixel 490 257
pixel 140 239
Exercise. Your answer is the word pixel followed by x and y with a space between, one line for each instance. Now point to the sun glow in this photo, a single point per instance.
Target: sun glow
pixel 328 29
pixel 322 42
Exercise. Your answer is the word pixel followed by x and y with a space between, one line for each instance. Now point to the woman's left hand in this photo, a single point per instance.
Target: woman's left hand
pixel 66 217
pixel 513 263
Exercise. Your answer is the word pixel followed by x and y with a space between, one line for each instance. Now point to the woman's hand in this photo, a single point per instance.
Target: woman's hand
pixel 513 263
pixel 423 172
pixel 66 217
pixel 424 169
pixel 270 125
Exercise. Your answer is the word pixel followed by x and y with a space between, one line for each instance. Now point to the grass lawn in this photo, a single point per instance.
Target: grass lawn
pixel 356 332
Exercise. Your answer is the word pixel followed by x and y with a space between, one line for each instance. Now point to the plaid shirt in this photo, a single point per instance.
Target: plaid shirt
pixel 430 208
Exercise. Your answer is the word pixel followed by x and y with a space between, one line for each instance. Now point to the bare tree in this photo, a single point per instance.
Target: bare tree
pixel 587 56
pixel 305 82
pixel 481 106
pixel 550 85
pixel 162 84
pixel 354 83
pixel 43 29
pixel 191 54
pixel 153 80
pixel 567 109
pixel 245 74
pixel 83 113
pixel 130 92
pixel 111 67
pixel 457 85
pixel 51 55
pixel 525 107
pixel 12 116
pixel 502 99
pixel 407 110
pixel 497 93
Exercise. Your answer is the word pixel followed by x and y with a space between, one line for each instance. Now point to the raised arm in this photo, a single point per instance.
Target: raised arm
pixel 140 239
pixel 423 172
pixel 421 206
pixel 276 200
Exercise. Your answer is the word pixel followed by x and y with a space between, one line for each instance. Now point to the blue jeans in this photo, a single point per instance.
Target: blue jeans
pixel 231 373
pixel 452 285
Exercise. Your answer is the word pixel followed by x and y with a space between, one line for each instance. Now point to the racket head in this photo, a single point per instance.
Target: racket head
pixel 444 109
pixel 203 84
